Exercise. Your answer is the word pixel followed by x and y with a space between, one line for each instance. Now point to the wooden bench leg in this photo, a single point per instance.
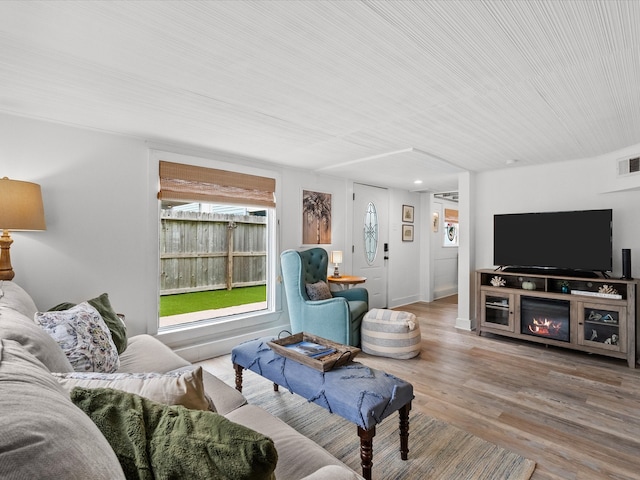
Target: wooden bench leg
pixel 366 450
pixel 238 369
pixel 404 431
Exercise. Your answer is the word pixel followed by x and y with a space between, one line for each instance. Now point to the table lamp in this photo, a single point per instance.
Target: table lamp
pixel 20 209
pixel 336 259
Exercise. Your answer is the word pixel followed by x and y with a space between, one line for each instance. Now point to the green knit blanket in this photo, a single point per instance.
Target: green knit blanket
pixel 156 441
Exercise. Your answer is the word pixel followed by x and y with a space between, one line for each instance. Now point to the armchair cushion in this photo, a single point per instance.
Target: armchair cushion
pixel 353 294
pixel 358 309
pixel 318 291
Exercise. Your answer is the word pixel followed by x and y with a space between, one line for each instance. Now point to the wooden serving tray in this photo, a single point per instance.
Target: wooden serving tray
pixel 343 354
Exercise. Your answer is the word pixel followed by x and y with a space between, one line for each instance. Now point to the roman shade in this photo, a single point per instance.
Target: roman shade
pixel 191 183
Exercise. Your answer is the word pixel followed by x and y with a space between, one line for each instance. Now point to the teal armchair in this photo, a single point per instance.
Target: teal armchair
pixel 337 318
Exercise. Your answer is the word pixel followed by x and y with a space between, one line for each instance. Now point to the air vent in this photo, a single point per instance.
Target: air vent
pixel 628 166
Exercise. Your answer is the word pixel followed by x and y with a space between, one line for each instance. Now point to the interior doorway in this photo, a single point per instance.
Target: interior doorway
pixel 370 236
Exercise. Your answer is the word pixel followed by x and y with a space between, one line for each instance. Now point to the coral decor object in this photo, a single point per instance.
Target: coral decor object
pixel 607 289
pixel 498 281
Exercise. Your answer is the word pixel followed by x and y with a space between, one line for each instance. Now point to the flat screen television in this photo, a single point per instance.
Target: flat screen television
pixel 579 241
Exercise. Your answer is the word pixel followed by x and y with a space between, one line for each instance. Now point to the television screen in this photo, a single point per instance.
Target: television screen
pixel 576 240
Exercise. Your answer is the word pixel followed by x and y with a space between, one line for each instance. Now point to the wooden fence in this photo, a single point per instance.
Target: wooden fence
pixel 211 251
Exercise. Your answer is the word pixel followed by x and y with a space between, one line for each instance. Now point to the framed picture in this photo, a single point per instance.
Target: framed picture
pixel 407 213
pixel 450 228
pixel 451 235
pixel 436 221
pixel 316 218
pixel 407 233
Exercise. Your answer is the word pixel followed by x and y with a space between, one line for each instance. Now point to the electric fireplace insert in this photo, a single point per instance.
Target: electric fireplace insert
pixel 543 317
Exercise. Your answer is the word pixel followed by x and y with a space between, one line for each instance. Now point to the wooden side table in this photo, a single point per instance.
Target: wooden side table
pixel 346 281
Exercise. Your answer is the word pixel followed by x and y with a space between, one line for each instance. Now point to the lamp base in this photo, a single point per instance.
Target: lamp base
pixel 6 271
pixel 336 273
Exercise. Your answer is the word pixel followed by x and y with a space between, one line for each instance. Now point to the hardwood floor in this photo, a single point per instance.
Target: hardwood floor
pixel 576 415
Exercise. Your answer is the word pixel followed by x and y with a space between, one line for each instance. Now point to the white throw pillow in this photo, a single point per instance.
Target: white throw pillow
pixel 175 388
pixel 83 336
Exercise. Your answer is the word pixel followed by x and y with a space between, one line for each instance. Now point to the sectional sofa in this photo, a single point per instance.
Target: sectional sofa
pixel 47 416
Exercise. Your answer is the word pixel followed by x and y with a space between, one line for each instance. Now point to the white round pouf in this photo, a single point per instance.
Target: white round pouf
pixel 390 333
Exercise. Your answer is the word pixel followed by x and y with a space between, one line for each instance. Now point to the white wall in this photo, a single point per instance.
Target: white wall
pixel 572 185
pixel 404 283
pixel 99 192
pixel 94 191
pixel 100 207
pixel 404 257
pixel 444 260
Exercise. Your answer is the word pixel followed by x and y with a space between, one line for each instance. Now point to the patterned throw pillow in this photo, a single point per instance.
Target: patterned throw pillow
pixel 318 291
pixel 184 388
pixel 115 324
pixel 83 336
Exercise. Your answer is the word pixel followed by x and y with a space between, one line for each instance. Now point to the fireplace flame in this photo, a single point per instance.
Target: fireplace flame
pixel 545 327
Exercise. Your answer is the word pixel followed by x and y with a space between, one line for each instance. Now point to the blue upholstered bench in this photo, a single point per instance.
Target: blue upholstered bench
pixel 360 394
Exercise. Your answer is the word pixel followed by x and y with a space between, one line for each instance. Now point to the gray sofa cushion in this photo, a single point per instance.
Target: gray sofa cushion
pixel 298 456
pixel 16 298
pixel 16 323
pixel 15 326
pixel 146 354
pixel 36 412
pixel 224 397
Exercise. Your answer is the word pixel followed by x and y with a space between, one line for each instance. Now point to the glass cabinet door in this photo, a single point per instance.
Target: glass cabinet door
pixel 602 326
pixel 497 310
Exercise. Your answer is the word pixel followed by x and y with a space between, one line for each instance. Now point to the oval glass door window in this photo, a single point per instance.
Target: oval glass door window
pixel 370 233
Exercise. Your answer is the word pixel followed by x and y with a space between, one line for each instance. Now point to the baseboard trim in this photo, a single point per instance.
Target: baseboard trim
pixel 465 324
pixel 399 302
pixel 445 292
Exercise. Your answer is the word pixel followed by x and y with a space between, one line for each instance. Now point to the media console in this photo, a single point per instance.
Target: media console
pixel 595 315
pixel 553 272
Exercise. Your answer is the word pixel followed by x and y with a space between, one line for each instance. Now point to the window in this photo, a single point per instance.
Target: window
pixel 370 233
pixel 214 243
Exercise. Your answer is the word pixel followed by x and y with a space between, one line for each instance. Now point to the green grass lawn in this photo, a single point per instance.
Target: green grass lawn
pixel 211 300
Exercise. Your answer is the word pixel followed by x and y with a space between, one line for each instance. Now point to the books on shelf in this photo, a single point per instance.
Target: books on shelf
pixel 614 296
pixel 311 349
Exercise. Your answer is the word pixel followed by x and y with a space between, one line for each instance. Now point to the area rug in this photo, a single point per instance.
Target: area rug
pixel 437 450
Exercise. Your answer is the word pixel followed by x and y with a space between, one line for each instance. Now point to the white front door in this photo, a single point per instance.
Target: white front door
pixel 370 235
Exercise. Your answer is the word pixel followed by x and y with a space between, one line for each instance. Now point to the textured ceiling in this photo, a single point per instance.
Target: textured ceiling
pixel 380 92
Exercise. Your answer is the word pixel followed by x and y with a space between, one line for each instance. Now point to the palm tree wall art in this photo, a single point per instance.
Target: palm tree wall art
pixel 316 218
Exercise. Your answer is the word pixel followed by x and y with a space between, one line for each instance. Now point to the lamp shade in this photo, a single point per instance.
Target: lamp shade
pixel 336 256
pixel 21 206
